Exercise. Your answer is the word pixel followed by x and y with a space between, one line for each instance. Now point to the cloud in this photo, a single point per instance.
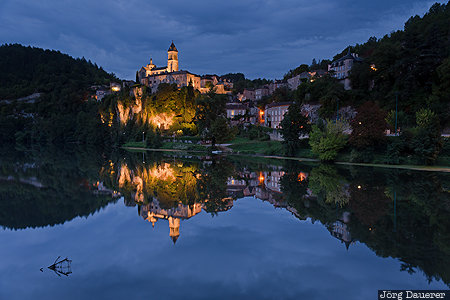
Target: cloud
pixel 262 38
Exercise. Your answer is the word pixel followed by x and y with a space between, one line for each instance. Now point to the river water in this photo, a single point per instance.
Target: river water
pixel 172 226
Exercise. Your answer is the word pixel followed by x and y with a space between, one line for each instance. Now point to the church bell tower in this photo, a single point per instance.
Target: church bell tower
pixel 172 60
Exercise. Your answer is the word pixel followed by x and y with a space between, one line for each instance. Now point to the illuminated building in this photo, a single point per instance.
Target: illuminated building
pixel 274 113
pixel 153 212
pixel 341 67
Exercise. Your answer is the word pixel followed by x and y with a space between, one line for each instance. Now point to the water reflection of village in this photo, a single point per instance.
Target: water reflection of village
pixel 156 190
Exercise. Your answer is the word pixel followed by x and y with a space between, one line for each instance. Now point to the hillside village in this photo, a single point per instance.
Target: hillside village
pixel 385 100
pixel 248 105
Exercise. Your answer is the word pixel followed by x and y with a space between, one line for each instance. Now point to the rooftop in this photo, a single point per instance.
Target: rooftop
pixel 172 47
pixel 276 104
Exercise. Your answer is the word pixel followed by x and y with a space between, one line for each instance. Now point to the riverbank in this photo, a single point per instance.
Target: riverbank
pixel 204 150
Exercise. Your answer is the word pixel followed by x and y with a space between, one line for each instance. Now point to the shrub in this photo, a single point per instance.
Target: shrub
pixel 327 142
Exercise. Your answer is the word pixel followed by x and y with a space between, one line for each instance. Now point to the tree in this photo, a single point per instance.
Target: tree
pixel 327 142
pixel 210 108
pixel 368 126
pixel 293 126
pixel 221 131
pixel 401 120
pixel 325 182
pixel 300 69
pixel 427 141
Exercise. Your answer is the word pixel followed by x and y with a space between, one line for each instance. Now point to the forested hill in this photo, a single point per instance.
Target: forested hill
pixel 26 70
pixel 61 114
pixel 413 64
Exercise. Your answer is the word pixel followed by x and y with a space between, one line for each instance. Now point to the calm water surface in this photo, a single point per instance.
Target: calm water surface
pixel 161 226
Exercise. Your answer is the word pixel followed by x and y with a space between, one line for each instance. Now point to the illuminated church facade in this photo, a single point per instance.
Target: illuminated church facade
pixel 152 76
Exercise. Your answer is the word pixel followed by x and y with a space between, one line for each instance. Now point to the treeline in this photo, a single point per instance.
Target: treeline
pixel 411 66
pixel 27 70
pixel 391 212
pixel 48 186
pixel 402 84
pixel 62 113
pixel 240 82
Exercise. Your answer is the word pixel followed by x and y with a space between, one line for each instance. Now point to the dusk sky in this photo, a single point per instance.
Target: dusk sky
pixel 262 38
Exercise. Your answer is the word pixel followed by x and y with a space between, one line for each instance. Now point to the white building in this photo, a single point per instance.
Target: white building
pixel 341 67
pixel 274 113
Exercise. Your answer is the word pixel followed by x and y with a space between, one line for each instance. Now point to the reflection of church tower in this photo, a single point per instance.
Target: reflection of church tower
pixel 174 225
pixel 172 60
pixel 151 218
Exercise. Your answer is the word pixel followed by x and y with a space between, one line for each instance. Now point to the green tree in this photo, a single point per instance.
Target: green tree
pixel 401 120
pixel 427 141
pixel 327 142
pixel 221 131
pixel 293 126
pixel 300 69
pixel 210 108
pixel 325 182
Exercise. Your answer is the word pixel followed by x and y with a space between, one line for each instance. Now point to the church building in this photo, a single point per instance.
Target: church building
pixel 152 76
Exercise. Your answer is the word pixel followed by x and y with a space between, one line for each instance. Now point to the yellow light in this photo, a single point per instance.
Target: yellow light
pixel 301 176
pixel 261 177
pixel 359 187
pixel 115 88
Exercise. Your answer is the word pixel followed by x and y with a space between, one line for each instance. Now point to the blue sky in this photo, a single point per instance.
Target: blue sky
pixel 260 38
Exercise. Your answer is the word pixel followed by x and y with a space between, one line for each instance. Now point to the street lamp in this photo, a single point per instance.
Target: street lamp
pixel 337 109
pixel 143 139
pixel 396 111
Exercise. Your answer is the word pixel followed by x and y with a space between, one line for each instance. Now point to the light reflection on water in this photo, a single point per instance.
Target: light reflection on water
pixel 189 228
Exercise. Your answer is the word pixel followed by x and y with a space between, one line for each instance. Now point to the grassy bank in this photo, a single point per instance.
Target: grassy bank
pixel 167 146
pixel 275 150
pixel 246 146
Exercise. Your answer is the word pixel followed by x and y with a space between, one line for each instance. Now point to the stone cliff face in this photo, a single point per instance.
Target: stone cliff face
pixel 123 113
pixel 139 112
pixel 145 180
pixel 127 112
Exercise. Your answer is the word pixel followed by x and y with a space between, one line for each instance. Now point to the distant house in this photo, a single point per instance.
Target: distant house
pixel 341 67
pixel 295 81
pixel 311 111
pixel 261 92
pixel 274 113
pixel 101 92
pixel 276 85
pixel 227 83
pixel 115 87
pixel 207 82
pixel 256 115
pixel 318 73
pixel 249 94
pixel 235 109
